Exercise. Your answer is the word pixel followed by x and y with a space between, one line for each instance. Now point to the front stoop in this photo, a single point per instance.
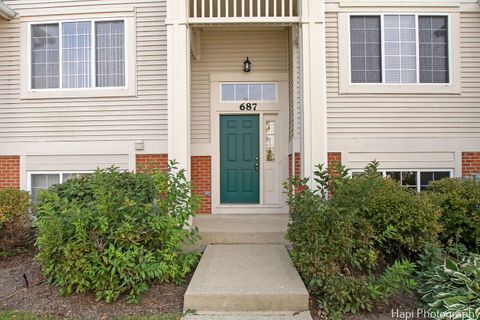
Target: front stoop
pixel 242 229
pixel 246 278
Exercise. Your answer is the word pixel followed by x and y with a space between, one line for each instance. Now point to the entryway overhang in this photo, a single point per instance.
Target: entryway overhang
pixel 6 12
pixel 213 12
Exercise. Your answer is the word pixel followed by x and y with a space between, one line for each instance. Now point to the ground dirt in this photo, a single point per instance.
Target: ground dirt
pixel 42 299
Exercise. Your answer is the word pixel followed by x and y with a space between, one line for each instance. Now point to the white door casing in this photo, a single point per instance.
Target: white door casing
pixel 272 174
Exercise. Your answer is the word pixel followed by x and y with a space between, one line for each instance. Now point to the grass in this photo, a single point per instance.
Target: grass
pixel 17 315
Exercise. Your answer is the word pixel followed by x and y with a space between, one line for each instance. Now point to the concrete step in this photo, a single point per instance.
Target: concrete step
pixel 246 278
pixel 251 316
pixel 242 229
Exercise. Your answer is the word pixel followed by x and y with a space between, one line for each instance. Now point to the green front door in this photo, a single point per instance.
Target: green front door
pixel 239 159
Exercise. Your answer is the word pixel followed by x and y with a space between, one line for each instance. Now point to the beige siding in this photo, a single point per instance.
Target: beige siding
pixel 223 50
pixel 407 116
pixel 88 119
pixel 76 162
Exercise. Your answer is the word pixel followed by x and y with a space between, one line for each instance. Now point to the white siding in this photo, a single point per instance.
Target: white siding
pixel 224 50
pixel 88 119
pixel 386 116
pixel 76 162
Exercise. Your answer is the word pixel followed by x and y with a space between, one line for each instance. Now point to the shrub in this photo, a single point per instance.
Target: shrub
pixel 15 223
pixel 334 248
pixel 115 232
pixel 450 288
pixel 404 221
pixel 459 200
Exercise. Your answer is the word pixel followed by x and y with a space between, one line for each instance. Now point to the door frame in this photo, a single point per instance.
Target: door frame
pixel 255 192
pixel 278 108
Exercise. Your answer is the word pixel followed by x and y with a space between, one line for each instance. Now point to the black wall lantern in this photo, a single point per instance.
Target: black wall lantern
pixel 247 65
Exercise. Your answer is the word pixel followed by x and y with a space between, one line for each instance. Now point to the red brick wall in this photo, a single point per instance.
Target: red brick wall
pixel 334 157
pixel 9 172
pixel 470 164
pixel 202 182
pixel 297 164
pixel 147 163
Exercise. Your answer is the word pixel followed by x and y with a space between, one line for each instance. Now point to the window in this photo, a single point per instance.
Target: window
pixel 270 140
pixel 412 179
pixel 399 49
pixel 249 92
pixel 43 181
pixel 79 54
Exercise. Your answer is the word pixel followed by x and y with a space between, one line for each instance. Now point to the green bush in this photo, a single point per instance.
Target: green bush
pixel 404 221
pixel 450 288
pixel 335 248
pixel 459 200
pixel 15 224
pixel 116 232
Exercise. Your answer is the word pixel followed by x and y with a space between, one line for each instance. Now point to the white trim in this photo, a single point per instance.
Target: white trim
pixel 248 83
pixel 346 85
pixel 264 109
pixel 129 89
pixel 403 3
pixel 6 12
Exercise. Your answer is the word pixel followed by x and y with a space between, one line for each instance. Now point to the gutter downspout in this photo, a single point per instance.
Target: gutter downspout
pixel 6 12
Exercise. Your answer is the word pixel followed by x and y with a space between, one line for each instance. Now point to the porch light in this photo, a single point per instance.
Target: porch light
pixel 247 65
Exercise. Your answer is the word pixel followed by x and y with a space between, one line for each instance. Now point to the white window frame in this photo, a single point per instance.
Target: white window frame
pixel 60 173
pixel 348 87
pixel 130 88
pixel 384 171
pixel 247 83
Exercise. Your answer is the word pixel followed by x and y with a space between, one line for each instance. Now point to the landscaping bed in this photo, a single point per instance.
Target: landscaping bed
pixel 42 299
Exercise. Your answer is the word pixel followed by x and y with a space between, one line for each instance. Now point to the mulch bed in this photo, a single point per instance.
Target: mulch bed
pixel 42 299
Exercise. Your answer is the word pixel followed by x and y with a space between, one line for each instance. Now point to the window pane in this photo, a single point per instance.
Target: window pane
pixel 43 182
pixel 269 92
pixel 433 31
pixel 110 53
pixel 365 45
pixel 228 92
pixel 409 179
pixel 76 54
pixel 45 58
pixel 255 91
pixel 270 140
pixel 394 175
pixel 400 49
pixel 241 92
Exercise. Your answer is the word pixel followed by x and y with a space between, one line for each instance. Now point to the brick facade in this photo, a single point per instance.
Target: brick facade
pixel 202 182
pixel 146 163
pixel 9 172
pixel 470 164
pixel 297 159
pixel 334 157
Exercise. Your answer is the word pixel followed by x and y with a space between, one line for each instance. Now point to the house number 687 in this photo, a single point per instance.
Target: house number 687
pixel 248 107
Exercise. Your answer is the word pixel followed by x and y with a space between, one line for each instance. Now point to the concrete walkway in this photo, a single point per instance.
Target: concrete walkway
pixel 246 278
pixel 251 316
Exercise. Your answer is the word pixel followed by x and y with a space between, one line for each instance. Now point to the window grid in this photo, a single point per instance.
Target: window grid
pixel 403 175
pixel 45 54
pixel 110 53
pixel 434 51
pixel 76 54
pixel 400 49
pixel 419 69
pixel 92 51
pixel 366 65
pixel 245 92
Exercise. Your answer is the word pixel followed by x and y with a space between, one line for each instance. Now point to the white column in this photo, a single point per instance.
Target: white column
pixel 314 86
pixel 178 66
